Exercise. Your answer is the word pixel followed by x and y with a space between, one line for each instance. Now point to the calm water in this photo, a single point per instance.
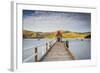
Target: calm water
pixel 80 48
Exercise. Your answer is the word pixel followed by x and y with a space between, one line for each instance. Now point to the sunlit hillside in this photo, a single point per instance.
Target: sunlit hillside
pixel 65 34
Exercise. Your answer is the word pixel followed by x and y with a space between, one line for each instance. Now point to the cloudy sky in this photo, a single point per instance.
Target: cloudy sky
pixel 48 21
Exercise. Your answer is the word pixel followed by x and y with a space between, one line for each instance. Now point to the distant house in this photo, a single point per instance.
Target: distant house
pixel 59 36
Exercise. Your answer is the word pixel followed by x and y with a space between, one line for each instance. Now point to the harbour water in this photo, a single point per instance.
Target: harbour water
pixel 80 48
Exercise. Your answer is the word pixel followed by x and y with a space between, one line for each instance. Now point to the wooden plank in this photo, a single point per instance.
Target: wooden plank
pixel 58 53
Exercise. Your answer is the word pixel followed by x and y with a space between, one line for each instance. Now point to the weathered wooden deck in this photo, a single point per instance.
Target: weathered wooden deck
pixel 58 52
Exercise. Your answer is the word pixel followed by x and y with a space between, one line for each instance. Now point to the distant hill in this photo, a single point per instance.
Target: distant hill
pixel 31 34
pixel 88 36
pixel 69 34
pixel 65 34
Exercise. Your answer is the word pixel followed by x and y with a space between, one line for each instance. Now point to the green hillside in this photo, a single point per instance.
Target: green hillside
pixel 65 34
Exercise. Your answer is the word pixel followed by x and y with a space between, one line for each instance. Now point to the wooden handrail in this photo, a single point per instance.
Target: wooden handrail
pixel 67 48
pixel 36 50
pixel 38 46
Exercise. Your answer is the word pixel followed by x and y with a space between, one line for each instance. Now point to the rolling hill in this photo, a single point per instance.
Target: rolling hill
pixel 65 34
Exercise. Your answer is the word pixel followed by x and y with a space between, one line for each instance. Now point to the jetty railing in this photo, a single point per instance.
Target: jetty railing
pixel 36 53
pixel 67 48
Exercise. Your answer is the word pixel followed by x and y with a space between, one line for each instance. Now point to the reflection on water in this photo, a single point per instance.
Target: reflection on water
pixel 80 48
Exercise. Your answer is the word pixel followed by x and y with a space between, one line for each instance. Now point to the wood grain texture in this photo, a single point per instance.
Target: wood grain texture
pixel 58 53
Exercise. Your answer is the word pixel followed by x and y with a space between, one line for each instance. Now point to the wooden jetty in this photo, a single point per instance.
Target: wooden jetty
pixel 51 51
pixel 58 52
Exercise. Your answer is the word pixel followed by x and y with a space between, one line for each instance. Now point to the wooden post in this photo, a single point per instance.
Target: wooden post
pixel 67 44
pixel 36 55
pixel 46 47
pixel 49 44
